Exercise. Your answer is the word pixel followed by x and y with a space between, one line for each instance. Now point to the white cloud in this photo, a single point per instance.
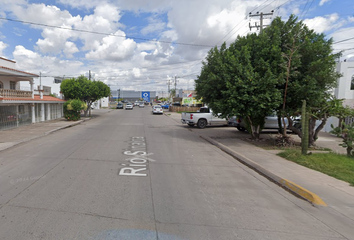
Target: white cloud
pixel 112 48
pixel 33 62
pixel 323 24
pixel 155 26
pixel 132 62
pixel 323 2
pixel 2 47
pixel 70 49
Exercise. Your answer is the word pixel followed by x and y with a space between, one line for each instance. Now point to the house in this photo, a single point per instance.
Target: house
pixel 22 107
pixel 345 84
pixel 344 90
pixel 52 82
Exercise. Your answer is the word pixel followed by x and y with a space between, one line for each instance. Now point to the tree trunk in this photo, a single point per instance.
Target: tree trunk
pixel 294 129
pixel 349 151
pixel 304 130
pixel 254 130
pixel 284 126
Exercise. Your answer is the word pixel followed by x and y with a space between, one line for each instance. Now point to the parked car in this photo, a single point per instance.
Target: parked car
pixel 202 118
pixel 129 106
pixel 165 106
pixel 141 105
pixel 120 106
pixel 271 122
pixel 157 109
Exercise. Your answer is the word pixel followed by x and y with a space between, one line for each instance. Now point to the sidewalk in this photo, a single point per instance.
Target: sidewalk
pixel 15 136
pixel 304 182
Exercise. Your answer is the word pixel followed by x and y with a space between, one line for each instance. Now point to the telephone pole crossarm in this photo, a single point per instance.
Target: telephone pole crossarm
pixel 261 15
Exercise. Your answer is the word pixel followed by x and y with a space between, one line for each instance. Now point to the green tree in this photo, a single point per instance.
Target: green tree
pixel 310 72
pixel 240 81
pixel 275 70
pixel 85 90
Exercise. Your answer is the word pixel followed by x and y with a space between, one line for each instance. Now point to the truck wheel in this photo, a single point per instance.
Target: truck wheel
pixel 202 123
pixel 241 129
pixel 191 124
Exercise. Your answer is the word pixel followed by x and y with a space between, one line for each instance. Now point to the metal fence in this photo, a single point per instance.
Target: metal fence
pixel 56 111
pixel 13 116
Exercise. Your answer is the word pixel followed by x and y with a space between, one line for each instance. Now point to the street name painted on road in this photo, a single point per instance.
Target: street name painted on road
pixel 138 162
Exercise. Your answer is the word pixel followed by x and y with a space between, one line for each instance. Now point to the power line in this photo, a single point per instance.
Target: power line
pixel 234 33
pixel 308 8
pixel 303 10
pixel 239 24
pixel 106 34
pixel 284 3
pixel 344 40
pixel 266 5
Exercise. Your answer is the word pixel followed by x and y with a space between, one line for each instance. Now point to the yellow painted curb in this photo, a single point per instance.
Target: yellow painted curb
pixel 309 196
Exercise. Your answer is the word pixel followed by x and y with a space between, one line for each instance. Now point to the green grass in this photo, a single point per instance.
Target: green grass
pixel 335 165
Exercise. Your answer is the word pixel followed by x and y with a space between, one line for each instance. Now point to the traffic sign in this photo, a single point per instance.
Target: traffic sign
pixel 145 96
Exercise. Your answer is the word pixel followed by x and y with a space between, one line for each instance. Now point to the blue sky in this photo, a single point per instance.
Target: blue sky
pixel 139 44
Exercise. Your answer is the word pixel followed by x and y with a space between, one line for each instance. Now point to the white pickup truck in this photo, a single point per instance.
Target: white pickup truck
pixel 202 118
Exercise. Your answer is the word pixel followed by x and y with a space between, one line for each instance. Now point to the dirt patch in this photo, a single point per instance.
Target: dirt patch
pixel 268 142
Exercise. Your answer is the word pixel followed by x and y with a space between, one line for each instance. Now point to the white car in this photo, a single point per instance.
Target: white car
pixel 157 109
pixel 141 105
pixel 129 106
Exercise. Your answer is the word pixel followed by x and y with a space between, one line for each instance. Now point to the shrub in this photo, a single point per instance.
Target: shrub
pixel 72 109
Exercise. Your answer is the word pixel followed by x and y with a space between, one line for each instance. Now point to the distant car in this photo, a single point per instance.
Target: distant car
pixel 120 106
pixel 157 109
pixel 136 103
pixel 165 106
pixel 141 105
pixel 129 106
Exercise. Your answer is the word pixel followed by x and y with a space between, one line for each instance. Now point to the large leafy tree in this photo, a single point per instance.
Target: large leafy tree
pixel 310 72
pixel 274 70
pixel 85 90
pixel 240 81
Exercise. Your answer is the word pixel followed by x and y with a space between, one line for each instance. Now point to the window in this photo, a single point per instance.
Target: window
pixel 352 83
pixel 12 85
pixel 57 80
pixel 1 85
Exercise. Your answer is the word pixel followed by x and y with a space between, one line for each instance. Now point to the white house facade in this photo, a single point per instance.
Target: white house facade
pixel 344 90
pixel 22 107
pixel 345 86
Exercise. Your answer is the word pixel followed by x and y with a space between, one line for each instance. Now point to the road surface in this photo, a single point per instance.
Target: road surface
pixel 132 175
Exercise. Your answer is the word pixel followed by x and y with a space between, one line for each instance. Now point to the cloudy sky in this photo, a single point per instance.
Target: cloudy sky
pixel 140 44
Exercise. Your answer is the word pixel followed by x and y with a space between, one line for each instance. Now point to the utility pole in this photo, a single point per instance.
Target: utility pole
pixel 261 15
pixel 169 82
pixel 175 86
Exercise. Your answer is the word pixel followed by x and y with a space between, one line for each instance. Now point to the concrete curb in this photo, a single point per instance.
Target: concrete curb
pixel 284 183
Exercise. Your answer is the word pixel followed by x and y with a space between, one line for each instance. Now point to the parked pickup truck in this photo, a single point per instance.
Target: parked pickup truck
pixel 202 118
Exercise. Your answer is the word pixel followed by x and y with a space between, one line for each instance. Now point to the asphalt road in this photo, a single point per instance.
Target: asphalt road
pixel 132 175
